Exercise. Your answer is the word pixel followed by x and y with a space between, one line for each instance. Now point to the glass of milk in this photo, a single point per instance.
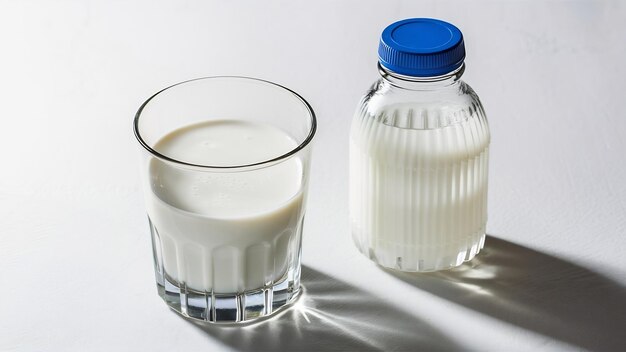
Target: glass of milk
pixel 225 165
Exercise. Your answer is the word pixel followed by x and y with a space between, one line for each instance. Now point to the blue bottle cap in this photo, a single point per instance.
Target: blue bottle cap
pixel 421 47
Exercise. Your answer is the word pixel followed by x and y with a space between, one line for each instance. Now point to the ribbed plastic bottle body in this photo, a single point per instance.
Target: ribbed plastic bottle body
pixel 419 154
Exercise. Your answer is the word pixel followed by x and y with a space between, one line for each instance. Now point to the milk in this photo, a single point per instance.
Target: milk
pixel 226 232
pixel 418 195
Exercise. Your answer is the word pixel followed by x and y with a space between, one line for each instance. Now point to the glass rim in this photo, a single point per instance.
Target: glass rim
pixel 300 146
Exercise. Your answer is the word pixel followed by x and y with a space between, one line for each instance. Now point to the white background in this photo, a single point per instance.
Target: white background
pixel 75 259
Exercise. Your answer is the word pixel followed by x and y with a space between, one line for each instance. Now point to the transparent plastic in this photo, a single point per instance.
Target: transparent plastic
pixel 419 153
pixel 217 258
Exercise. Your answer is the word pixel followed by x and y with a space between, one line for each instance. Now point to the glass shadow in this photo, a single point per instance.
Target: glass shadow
pixel 333 315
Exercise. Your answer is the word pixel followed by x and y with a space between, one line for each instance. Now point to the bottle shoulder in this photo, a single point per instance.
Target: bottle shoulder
pixel 421 106
pixel 446 124
pixel 382 93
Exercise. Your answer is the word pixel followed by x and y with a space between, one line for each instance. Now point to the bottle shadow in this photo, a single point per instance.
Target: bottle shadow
pixel 333 315
pixel 535 291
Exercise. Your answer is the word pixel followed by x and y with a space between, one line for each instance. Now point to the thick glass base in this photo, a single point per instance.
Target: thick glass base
pixel 423 258
pixel 227 308
pixel 246 303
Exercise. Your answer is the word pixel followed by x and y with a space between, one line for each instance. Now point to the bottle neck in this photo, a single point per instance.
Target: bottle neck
pixel 421 83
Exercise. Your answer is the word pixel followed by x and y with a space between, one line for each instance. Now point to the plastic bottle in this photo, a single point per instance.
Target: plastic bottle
pixel 419 152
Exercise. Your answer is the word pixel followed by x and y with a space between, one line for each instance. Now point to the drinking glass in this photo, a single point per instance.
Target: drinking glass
pixel 225 169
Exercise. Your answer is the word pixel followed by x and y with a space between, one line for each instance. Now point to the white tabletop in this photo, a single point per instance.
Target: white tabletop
pixel 75 257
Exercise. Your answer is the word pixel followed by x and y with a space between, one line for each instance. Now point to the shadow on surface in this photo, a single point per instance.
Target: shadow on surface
pixel 535 291
pixel 332 315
